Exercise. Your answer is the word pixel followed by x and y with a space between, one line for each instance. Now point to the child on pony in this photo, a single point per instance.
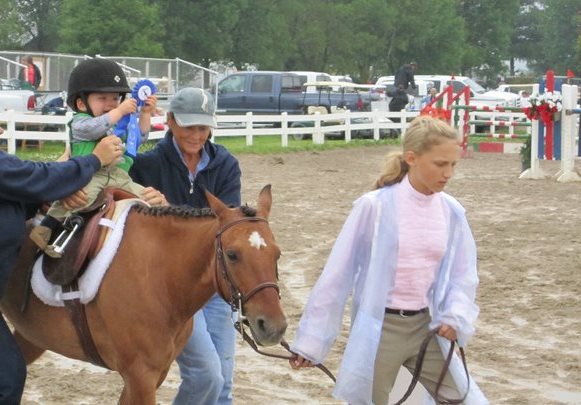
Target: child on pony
pixel 96 92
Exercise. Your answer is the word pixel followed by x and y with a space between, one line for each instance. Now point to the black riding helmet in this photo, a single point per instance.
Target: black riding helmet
pixel 95 76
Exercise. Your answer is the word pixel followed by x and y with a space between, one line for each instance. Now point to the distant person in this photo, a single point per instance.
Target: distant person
pixel 399 100
pixel 432 94
pixel 30 74
pixel 524 99
pixel 405 76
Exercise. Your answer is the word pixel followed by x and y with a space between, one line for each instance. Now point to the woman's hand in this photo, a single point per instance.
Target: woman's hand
pixel 108 150
pixel 153 196
pixel 77 200
pixel 448 332
pixel 297 362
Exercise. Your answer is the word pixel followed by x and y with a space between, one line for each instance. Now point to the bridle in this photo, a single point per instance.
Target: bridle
pixel 238 299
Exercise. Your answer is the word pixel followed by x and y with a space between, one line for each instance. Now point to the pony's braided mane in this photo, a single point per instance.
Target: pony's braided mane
pixel 184 211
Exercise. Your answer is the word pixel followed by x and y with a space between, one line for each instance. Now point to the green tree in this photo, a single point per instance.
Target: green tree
pixel 200 31
pixel 11 29
pixel 561 32
pixel 526 37
pixel 433 36
pixel 110 27
pixel 40 21
pixel 261 28
pixel 489 25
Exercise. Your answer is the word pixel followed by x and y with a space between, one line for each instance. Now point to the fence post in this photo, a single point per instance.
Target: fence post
pixel 535 171
pixel 347 125
pixel 11 132
pixel 375 121
pixel 318 137
pixel 403 120
pixel 249 126
pixel 284 129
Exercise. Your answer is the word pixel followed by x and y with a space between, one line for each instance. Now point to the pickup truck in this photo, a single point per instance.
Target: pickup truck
pixel 268 92
pixel 12 98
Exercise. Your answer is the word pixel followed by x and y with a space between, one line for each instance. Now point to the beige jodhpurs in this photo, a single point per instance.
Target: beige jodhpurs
pixel 106 176
pixel 401 338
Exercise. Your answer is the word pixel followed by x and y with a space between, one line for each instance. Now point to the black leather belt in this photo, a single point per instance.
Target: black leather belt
pixel 404 313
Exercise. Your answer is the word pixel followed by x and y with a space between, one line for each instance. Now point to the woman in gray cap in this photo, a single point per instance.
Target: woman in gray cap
pixel 182 166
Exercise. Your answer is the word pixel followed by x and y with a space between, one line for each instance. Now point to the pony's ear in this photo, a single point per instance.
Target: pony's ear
pixel 264 202
pixel 215 204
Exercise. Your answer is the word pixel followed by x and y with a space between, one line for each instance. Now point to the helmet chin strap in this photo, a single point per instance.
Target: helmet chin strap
pixel 85 99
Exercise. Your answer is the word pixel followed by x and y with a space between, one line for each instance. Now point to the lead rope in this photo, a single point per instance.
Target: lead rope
pixel 239 326
pixel 418 371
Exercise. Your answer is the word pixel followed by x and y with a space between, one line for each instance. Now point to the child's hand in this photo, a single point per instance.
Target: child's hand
pixel 128 106
pixel 150 105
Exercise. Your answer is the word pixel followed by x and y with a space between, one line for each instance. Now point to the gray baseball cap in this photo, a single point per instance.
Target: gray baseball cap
pixel 193 106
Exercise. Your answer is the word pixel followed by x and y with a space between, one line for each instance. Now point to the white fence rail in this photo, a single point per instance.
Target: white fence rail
pixel 21 126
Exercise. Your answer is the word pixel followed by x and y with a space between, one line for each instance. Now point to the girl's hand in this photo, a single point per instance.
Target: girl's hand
pixel 448 332
pixel 297 362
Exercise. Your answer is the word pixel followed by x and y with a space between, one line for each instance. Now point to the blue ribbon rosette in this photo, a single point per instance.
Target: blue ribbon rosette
pixel 129 124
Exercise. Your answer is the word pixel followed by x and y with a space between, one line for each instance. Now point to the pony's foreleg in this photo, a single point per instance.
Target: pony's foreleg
pixel 29 350
pixel 139 389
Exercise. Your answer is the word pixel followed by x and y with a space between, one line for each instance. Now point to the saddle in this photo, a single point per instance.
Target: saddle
pixel 87 242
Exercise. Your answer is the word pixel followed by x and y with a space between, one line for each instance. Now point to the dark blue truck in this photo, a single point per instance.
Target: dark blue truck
pixel 269 92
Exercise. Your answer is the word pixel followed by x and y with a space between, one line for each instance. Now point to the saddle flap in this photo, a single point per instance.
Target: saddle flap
pixel 87 242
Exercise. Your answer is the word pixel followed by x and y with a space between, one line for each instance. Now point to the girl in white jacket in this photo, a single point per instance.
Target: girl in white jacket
pixel 407 255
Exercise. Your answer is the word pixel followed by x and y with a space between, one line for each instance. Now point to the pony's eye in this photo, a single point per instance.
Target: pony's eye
pixel 232 256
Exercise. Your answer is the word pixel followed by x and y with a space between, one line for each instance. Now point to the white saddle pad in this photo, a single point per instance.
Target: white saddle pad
pixel 90 281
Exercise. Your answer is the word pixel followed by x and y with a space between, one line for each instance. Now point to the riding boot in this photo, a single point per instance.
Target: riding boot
pixel 42 233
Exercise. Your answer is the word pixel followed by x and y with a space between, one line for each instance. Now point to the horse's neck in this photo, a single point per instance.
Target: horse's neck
pixel 183 250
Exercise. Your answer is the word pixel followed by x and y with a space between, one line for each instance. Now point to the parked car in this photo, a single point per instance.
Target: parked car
pixel 312 77
pixel 478 95
pixel 342 78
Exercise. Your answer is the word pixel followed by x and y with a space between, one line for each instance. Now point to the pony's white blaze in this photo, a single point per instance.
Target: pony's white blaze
pixel 256 241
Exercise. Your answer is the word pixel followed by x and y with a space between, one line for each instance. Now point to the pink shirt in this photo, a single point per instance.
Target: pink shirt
pixel 423 236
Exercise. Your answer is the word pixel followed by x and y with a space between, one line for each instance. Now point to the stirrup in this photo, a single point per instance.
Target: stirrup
pixel 71 225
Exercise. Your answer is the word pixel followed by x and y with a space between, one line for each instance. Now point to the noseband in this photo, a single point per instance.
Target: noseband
pixel 237 298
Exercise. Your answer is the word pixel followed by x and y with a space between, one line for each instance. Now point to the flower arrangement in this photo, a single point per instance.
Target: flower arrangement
pixel 544 106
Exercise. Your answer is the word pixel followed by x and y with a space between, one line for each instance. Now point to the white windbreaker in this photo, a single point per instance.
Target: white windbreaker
pixel 362 262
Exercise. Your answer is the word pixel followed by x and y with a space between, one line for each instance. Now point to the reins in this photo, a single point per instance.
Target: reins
pixel 239 326
pixel 238 299
pixel 418 371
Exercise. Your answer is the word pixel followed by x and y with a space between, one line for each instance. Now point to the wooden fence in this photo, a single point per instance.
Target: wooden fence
pixel 346 124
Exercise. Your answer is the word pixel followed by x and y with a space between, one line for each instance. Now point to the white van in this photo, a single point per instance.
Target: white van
pixel 311 77
pixel 478 95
